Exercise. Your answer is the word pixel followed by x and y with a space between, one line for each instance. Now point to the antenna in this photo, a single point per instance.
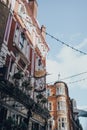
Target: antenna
pixel 58 76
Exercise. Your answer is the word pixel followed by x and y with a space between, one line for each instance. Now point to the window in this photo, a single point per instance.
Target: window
pixel 12 69
pixel 60 90
pixel 49 106
pixel 22 39
pixel 62 123
pixel 48 92
pixel 62 105
pixel 16 35
pixel 39 62
pixel 19 38
pixel 50 125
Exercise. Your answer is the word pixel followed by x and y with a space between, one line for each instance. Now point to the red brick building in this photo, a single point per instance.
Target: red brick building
pixel 23 51
pixel 59 106
pixel 64 115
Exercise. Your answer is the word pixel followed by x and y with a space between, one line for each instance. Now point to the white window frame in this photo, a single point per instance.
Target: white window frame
pixel 61 106
pixel 50 125
pixel 62 123
pixel 60 90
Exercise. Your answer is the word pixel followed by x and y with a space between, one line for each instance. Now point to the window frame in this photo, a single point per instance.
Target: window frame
pixel 50 106
pixel 48 92
pixel 60 90
pixel 61 105
pixel 62 123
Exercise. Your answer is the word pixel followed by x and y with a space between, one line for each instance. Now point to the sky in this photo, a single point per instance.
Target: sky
pixel 66 20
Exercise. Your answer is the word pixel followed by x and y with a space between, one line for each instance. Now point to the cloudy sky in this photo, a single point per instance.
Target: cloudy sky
pixel 67 21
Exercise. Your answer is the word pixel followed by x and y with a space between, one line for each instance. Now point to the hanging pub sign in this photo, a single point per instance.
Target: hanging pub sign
pixel 40 73
pixel 3 73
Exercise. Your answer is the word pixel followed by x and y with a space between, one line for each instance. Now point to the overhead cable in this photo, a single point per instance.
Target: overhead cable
pixel 74 75
pixel 77 81
pixel 73 48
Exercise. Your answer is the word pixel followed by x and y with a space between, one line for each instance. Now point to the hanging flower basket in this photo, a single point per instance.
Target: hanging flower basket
pixel 18 75
pixel 44 100
pixel 39 90
pixel 39 96
pixel 26 85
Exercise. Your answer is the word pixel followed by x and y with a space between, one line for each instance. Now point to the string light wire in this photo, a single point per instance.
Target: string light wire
pixel 77 81
pixel 74 75
pixel 73 48
pixel 53 37
pixel 67 45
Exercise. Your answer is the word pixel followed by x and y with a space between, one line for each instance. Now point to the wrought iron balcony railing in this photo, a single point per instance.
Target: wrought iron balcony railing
pixel 14 92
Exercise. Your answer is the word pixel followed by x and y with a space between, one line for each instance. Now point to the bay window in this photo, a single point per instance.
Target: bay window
pixel 61 105
pixel 60 90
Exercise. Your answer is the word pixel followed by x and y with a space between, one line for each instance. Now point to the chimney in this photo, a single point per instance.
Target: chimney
pixel 43 31
pixel 33 5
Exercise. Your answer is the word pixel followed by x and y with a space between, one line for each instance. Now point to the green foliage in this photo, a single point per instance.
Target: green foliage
pixel 18 75
pixel 39 96
pixel 26 85
pixel 44 100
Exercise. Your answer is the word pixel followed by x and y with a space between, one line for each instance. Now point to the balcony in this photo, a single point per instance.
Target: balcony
pixel 14 92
